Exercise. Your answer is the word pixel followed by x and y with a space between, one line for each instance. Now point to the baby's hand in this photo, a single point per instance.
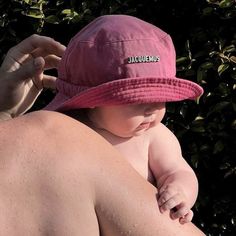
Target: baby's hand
pixel 173 198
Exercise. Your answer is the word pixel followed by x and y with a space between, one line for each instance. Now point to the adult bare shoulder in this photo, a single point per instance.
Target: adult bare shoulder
pixel 61 178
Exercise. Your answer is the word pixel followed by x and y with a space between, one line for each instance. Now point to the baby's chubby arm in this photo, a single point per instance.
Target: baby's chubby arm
pixel 176 181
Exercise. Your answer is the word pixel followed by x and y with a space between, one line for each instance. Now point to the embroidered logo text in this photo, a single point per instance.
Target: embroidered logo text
pixel 142 59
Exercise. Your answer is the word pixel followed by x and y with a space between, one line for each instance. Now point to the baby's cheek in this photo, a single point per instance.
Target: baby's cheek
pixel 133 123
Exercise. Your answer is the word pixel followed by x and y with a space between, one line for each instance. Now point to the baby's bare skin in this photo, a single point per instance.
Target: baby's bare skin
pixel 60 178
pixel 134 150
pixel 152 149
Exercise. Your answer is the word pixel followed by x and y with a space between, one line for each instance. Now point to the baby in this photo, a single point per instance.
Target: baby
pixel 122 70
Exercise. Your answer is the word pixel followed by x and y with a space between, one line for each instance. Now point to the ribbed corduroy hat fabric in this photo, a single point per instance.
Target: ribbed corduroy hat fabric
pixel 119 59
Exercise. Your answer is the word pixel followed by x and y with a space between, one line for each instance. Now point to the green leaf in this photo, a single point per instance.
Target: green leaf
pixel 27 1
pixel 52 19
pixel 35 14
pixel 194 160
pixel 224 89
pixel 218 107
pixel 232 171
pixel 199 129
pixel 230 48
pixel 41 2
pixel 66 11
pixel 180 60
pixel 207 11
pixel 226 3
pixel 233 125
pixel 201 75
pixel 207 65
pixel 76 19
pixel 233 74
pixel 233 59
pixel 213 53
pixel 222 68
pixel 198 126
pixel 212 1
pixel 224 166
pixel 218 147
pixel 233 220
pixel 59 2
pixel 204 148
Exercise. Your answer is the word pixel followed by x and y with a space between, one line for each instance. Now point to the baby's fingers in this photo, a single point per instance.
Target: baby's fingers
pixel 168 205
pixel 165 194
pixel 168 201
pixel 181 211
pixel 187 218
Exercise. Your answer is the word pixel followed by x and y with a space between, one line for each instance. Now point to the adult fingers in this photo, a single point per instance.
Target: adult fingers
pixel 34 70
pixel 49 81
pixel 41 80
pixel 43 51
pixel 30 45
pixel 29 70
pixel 35 41
pixel 51 62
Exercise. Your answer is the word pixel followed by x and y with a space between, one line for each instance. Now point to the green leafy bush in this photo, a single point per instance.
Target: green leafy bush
pixel 204 34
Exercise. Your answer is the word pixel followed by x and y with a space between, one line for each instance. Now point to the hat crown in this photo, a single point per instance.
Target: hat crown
pixel 119 59
pixel 114 47
pixel 112 28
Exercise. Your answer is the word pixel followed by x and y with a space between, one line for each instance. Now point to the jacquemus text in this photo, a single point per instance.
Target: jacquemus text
pixel 143 59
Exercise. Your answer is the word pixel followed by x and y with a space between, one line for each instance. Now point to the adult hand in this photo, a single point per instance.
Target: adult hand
pixel 22 75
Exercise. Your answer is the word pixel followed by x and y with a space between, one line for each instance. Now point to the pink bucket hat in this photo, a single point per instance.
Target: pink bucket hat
pixel 119 59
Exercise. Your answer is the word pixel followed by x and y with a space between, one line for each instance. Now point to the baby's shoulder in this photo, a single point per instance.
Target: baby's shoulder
pixel 160 130
pixel 161 134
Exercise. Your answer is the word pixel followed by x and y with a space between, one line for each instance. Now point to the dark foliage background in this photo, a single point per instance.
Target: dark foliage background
pixel 204 33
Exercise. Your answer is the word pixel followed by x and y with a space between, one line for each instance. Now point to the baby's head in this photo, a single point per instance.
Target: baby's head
pixel 119 60
pixel 126 120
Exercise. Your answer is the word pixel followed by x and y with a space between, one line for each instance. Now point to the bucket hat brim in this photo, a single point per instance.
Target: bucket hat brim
pixel 128 91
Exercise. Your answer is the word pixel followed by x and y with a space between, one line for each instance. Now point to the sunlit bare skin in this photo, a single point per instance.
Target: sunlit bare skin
pixel 58 177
